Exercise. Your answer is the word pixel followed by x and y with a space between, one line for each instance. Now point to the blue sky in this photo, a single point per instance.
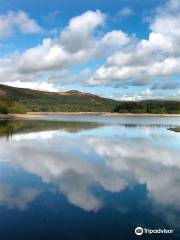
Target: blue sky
pixel 120 49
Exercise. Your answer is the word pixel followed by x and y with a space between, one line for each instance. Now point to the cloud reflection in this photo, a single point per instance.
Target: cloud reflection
pixel 78 162
pixel 17 199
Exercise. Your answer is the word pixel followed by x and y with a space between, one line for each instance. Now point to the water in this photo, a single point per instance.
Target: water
pixel 114 119
pixel 95 178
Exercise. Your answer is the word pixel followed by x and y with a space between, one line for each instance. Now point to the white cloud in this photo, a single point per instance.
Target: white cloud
pixel 17 20
pixel 78 35
pixel 78 43
pixel 112 42
pixel 43 86
pixel 127 61
pixel 147 59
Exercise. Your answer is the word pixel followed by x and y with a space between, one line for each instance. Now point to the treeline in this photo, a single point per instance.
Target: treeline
pixel 155 107
pixel 9 106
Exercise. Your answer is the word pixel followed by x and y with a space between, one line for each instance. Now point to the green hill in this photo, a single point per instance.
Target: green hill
pixel 18 100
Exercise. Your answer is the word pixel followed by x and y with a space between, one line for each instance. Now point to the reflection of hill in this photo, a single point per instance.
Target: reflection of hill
pixel 10 127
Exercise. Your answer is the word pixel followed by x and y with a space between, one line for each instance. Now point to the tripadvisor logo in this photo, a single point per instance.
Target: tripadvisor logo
pixel 139 231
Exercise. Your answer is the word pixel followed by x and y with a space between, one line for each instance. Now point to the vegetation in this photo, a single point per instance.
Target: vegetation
pixel 13 100
pixel 8 105
pixel 17 100
pixel 153 106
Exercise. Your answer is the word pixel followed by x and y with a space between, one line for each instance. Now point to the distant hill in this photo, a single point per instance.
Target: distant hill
pixel 27 100
pixel 20 100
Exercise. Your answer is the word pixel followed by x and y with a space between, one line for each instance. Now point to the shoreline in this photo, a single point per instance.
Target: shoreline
pixel 40 114
pixel 177 129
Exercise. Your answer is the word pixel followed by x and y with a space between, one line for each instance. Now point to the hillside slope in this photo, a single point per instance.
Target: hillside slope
pixel 20 100
pixel 27 100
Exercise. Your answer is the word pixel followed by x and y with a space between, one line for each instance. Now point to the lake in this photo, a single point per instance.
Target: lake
pixel 89 177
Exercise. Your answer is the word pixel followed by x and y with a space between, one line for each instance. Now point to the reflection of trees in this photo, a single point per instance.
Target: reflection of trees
pixel 12 126
pixel 7 128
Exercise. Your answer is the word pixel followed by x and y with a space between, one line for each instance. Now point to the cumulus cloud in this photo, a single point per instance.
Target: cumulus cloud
pixel 78 43
pixel 127 60
pixel 75 45
pixel 17 20
pixel 157 56
pixel 77 36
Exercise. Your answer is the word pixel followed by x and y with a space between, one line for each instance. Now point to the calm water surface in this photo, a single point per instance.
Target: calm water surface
pixel 95 178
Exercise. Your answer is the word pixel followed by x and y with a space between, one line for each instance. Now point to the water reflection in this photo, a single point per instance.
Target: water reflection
pixel 89 166
pixel 17 199
pixel 9 127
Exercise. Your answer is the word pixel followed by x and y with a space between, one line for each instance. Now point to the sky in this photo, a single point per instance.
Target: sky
pixel 126 49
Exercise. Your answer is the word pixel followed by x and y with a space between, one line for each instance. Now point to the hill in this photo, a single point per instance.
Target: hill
pixel 20 100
